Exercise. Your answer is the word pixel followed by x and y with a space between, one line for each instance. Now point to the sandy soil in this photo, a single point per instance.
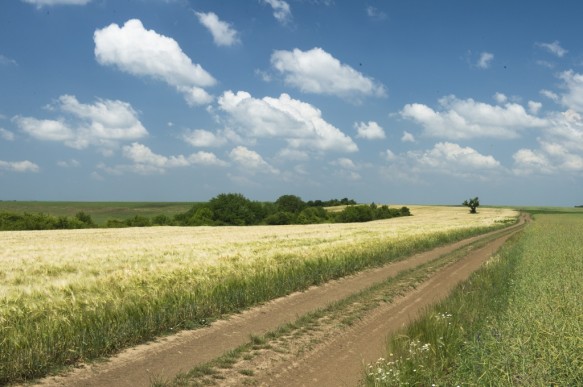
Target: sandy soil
pixel 362 343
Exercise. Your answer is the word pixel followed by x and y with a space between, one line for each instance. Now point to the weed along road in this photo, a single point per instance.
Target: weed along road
pixel 335 359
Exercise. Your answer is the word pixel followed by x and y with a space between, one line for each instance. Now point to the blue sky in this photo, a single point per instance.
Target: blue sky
pixel 386 101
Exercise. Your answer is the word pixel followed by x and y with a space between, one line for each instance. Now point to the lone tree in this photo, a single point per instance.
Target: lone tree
pixel 473 204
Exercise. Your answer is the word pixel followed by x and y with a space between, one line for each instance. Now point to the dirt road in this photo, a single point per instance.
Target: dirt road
pixel 163 359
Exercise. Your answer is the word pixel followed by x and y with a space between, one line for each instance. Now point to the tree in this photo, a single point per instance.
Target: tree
pixel 473 204
pixel 290 203
pixel 235 209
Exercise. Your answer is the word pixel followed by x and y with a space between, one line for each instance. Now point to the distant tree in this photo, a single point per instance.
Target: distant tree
pixel 85 219
pixel 313 215
pixel 235 209
pixel 280 218
pixel 290 203
pixel 473 204
pixel 162 220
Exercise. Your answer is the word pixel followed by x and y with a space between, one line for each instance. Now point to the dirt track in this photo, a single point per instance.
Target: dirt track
pixel 362 343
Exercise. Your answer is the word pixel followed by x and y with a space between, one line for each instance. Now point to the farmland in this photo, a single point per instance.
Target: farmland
pixel 517 321
pixel 74 295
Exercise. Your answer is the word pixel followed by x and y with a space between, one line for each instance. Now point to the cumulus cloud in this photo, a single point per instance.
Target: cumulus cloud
pixel 42 3
pixel 464 119
pixel 407 137
pixel 560 147
pixel 72 163
pixel 453 159
pixel 300 124
pixel 103 124
pixel 573 95
pixel 316 71
pixel 251 161
pixel 281 10
pixel 554 48
pixel 18 166
pixel 369 131
pixel 140 52
pixel 534 107
pixel 485 60
pixel 203 138
pixel 550 95
pixel 145 161
pixel 527 161
pixel 6 135
pixel 222 32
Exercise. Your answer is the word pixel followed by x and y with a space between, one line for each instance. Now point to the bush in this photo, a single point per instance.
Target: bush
pixel 280 218
pixel 235 209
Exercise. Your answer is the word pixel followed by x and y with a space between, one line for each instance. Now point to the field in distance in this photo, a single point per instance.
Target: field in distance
pixel 99 211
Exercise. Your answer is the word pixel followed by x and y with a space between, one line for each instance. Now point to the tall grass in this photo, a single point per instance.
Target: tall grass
pixel 518 321
pixel 70 296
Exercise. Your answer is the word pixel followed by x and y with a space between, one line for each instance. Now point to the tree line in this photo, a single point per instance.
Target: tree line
pixel 231 209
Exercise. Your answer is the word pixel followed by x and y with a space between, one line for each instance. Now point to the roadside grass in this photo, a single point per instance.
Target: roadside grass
pixel 517 321
pixel 73 296
pixel 314 327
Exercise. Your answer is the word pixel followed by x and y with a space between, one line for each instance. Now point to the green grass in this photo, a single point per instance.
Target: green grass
pixel 517 321
pixel 100 211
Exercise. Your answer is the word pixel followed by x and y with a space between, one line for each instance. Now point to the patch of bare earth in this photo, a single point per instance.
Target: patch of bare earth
pixel 329 351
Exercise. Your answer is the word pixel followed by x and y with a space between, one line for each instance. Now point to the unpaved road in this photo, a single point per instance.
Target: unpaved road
pixel 163 359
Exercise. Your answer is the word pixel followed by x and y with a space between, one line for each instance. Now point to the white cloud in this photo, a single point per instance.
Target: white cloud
pixel 500 98
pixel 102 124
pixel 195 96
pixel 485 60
pixel 46 130
pixel 222 32
pixel 203 138
pixel 72 163
pixel 146 162
pixel 452 159
pixel 6 135
pixel 464 119
pixel 527 161
pixel 560 147
pixel 137 51
pixel 42 3
pixel 281 10
pixel 293 155
pixel 316 71
pixel 18 166
pixel 251 161
pixel 375 14
pixel 389 155
pixel 6 61
pixel 345 163
pixel 534 107
pixel 407 137
pixel 370 130
pixel 550 95
pixel 573 97
pixel 299 123
pixel 554 48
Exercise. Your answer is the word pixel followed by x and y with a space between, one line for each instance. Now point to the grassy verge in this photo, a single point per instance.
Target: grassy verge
pixel 517 321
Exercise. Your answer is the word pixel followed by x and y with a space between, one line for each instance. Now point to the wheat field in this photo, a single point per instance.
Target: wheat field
pixel 72 295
